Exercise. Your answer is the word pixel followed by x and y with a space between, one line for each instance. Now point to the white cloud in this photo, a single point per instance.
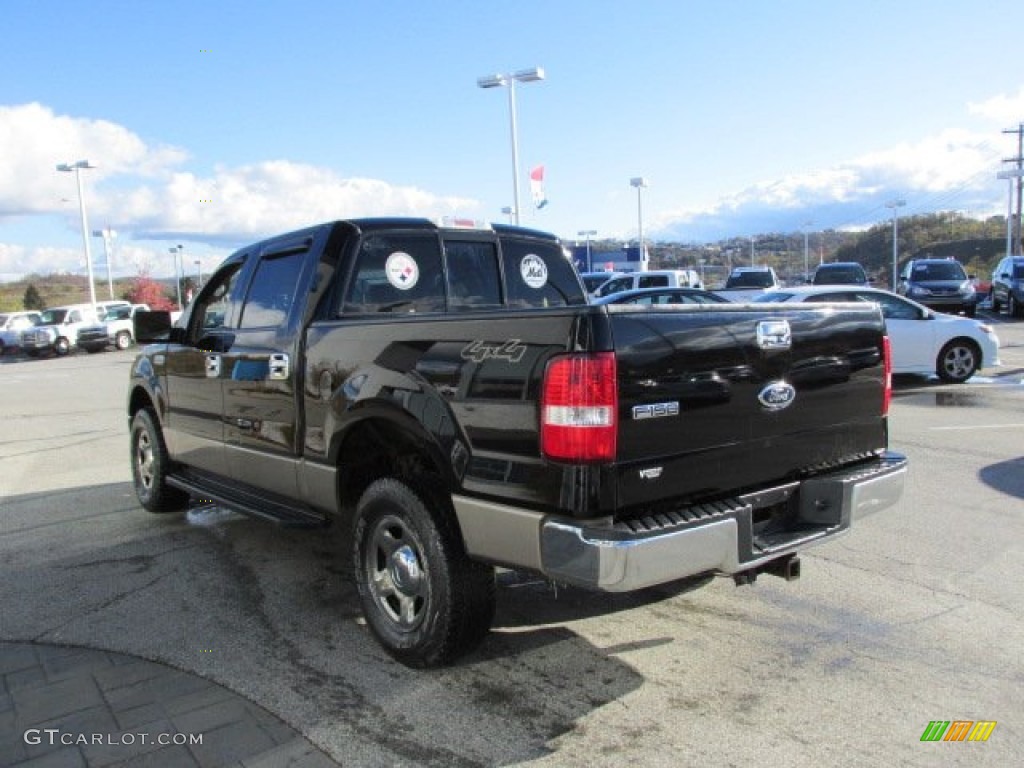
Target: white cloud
pixel 267 197
pixel 36 140
pixel 953 169
pixel 1004 108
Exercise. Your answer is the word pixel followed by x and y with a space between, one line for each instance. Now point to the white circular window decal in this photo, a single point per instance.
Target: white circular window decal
pixel 402 270
pixel 534 270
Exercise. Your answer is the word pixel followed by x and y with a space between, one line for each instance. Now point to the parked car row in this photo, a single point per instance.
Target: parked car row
pixel 58 330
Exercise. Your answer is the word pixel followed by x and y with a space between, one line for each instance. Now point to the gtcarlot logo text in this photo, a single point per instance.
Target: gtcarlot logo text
pixel 56 737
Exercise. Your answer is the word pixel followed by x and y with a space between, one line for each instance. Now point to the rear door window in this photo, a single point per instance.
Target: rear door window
pixel 272 290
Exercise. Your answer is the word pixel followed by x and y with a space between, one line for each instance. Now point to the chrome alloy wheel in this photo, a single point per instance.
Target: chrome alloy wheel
pixel 144 462
pixel 959 362
pixel 395 575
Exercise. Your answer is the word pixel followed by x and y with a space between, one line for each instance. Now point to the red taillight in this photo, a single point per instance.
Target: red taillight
pixel 887 367
pixel 579 408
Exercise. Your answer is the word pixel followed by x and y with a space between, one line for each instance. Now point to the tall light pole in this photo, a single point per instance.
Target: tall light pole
pixel 807 263
pixel 588 233
pixel 1010 175
pixel 752 251
pixel 175 252
pixel 509 80
pixel 895 205
pixel 78 167
pixel 199 274
pixel 640 183
pixel 108 236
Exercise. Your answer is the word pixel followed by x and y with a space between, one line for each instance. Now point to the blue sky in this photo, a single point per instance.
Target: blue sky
pixel 214 123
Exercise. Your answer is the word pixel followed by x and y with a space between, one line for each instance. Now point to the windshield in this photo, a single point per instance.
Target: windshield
pixel 839 276
pixel 53 316
pixel 939 270
pixel 755 279
pixel 592 282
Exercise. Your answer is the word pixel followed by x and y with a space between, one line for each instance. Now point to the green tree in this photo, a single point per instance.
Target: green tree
pixel 32 298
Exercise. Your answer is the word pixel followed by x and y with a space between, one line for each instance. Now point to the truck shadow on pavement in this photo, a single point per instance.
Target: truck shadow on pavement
pixel 273 615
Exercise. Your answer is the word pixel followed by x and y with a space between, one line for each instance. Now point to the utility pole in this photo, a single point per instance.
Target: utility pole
pixel 1018 245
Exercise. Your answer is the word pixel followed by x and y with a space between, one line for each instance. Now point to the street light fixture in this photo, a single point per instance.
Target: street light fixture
pixel 175 252
pixel 640 183
pixel 895 205
pixel 78 167
pixel 108 236
pixel 509 80
pixel 509 211
pixel 588 233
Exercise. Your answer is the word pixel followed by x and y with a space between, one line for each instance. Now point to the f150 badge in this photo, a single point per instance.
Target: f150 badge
pixel 776 396
pixel 655 410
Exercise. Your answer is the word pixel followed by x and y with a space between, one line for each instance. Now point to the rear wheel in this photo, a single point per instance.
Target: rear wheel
pixel 424 600
pixel 150 465
pixel 958 361
pixel 994 302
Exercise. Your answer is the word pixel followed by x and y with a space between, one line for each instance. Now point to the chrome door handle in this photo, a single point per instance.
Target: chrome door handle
pixel 213 366
pixel 279 368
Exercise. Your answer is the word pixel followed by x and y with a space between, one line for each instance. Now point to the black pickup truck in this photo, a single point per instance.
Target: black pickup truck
pixel 448 391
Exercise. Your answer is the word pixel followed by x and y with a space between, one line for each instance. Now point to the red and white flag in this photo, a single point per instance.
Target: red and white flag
pixel 537 187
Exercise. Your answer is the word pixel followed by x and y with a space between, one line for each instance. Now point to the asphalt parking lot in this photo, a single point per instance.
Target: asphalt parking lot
pixel 914 617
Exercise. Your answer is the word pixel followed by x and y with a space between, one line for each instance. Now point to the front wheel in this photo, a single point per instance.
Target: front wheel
pixel 150 465
pixel 1013 307
pixel 62 346
pixel 123 340
pixel 957 361
pixel 424 600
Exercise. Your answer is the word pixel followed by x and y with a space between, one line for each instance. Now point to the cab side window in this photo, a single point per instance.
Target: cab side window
pixel 538 275
pixel 272 290
pixel 652 281
pixel 396 273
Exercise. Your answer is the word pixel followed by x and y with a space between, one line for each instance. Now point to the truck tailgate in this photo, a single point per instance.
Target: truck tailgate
pixel 715 399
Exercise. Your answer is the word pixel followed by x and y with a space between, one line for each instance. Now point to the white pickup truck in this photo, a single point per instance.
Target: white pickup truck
pixel 117 330
pixel 747 283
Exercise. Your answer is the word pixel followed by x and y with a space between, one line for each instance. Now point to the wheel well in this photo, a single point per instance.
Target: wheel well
pixel 138 401
pixel 376 448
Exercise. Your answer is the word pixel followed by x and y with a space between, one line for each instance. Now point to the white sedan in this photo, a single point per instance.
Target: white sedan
pixel 923 341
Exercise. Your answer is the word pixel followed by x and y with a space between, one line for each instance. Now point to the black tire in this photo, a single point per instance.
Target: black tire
pixel 123 340
pixel 995 304
pixel 61 346
pixel 957 361
pixel 424 600
pixel 150 464
pixel 32 352
pixel 1013 307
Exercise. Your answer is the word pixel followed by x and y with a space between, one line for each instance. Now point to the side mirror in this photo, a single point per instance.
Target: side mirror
pixel 152 327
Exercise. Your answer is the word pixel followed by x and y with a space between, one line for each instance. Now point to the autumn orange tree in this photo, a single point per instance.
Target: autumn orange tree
pixel 146 290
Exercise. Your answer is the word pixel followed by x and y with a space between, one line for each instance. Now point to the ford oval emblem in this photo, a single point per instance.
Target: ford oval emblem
pixel 776 396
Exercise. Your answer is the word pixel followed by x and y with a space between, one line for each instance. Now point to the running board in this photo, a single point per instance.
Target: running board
pixel 238 500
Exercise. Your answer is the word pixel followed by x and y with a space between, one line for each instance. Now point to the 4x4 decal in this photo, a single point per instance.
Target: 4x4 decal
pixel 478 351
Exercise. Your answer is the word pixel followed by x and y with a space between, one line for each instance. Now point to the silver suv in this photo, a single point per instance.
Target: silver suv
pixel 1008 286
pixel 11 326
